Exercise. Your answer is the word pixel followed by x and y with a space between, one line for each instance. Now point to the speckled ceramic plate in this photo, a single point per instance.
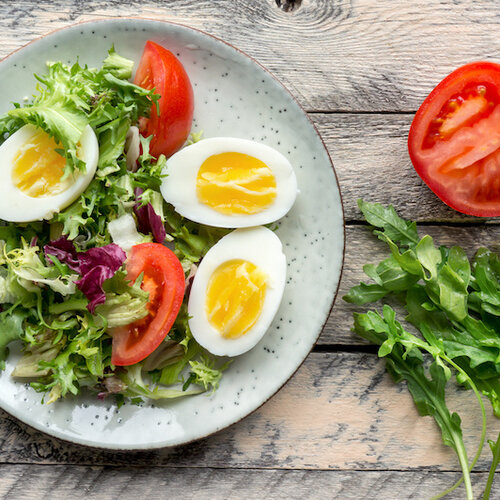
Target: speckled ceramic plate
pixel 234 96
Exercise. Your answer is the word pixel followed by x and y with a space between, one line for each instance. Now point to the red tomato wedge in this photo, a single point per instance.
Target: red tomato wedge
pixel 164 280
pixel 161 70
pixel 454 140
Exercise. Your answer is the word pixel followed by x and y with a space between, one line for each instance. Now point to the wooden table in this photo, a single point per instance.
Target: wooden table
pixel 340 428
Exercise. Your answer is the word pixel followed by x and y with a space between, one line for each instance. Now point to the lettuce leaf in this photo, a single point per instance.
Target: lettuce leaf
pixel 71 97
pixel 11 328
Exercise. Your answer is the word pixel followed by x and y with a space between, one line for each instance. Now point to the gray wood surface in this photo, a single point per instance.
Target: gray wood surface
pixel 109 483
pixel 370 155
pixel 340 428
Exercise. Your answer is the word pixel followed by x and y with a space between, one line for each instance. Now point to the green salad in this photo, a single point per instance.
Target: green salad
pixel 64 285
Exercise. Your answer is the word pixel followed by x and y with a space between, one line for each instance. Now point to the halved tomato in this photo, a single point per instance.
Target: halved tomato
pixel 161 70
pixel 454 140
pixel 164 280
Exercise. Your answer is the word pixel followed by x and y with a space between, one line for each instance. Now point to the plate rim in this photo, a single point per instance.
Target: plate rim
pixel 152 446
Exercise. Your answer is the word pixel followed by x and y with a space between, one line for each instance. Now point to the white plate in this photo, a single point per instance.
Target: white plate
pixel 234 96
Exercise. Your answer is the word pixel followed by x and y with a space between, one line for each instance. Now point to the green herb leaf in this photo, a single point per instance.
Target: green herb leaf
pixel 395 228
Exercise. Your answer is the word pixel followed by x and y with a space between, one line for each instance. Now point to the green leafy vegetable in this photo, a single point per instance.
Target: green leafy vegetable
pixel 454 304
pixel 205 372
pixel 404 361
pixel 135 384
pixel 10 329
pixel 72 97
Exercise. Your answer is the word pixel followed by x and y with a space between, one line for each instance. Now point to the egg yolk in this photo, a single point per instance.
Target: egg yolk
pixel 235 183
pixel 235 295
pixel 38 168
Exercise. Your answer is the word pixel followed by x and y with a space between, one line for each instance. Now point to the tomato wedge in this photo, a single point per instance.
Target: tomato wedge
pixel 161 70
pixel 454 140
pixel 164 280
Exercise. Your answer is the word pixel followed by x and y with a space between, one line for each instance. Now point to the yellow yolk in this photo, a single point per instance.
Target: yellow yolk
pixel 235 183
pixel 235 295
pixel 38 168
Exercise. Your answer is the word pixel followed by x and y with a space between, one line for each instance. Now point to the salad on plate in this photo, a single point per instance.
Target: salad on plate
pixel 134 256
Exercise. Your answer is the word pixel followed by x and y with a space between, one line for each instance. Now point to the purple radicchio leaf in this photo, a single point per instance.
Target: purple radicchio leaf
pixel 111 256
pixel 91 285
pixel 96 266
pixel 65 252
pixel 148 220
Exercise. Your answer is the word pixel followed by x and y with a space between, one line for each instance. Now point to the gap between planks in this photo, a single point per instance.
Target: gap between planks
pixel 362 247
pixel 235 468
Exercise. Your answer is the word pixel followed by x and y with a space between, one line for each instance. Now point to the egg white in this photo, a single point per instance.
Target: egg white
pixel 16 206
pixel 259 246
pixel 179 185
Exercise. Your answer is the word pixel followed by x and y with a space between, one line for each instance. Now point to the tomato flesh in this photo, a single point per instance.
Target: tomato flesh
pixel 170 124
pixel 163 278
pixel 454 140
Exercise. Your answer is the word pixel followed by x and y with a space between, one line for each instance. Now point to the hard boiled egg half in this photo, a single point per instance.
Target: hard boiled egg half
pixel 31 184
pixel 230 182
pixel 237 290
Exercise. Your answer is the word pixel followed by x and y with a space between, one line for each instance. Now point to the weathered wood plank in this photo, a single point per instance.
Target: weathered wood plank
pixel 366 55
pixel 339 412
pixel 107 483
pixel 363 248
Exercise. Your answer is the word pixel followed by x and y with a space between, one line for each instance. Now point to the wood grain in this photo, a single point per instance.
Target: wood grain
pixel 367 55
pixel 31 482
pixel 339 412
pixel 370 155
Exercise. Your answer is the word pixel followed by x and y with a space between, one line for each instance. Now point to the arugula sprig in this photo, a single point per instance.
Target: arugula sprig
pixel 441 292
pixel 453 303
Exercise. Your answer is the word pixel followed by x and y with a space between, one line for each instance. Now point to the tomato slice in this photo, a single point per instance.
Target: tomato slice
pixel 454 140
pixel 160 69
pixel 164 280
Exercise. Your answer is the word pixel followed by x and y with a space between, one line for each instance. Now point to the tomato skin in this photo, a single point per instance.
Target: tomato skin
pixel 164 280
pixel 159 68
pixel 454 140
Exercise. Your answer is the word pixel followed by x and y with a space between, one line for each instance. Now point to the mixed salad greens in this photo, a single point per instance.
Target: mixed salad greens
pixel 63 284
pixel 455 305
